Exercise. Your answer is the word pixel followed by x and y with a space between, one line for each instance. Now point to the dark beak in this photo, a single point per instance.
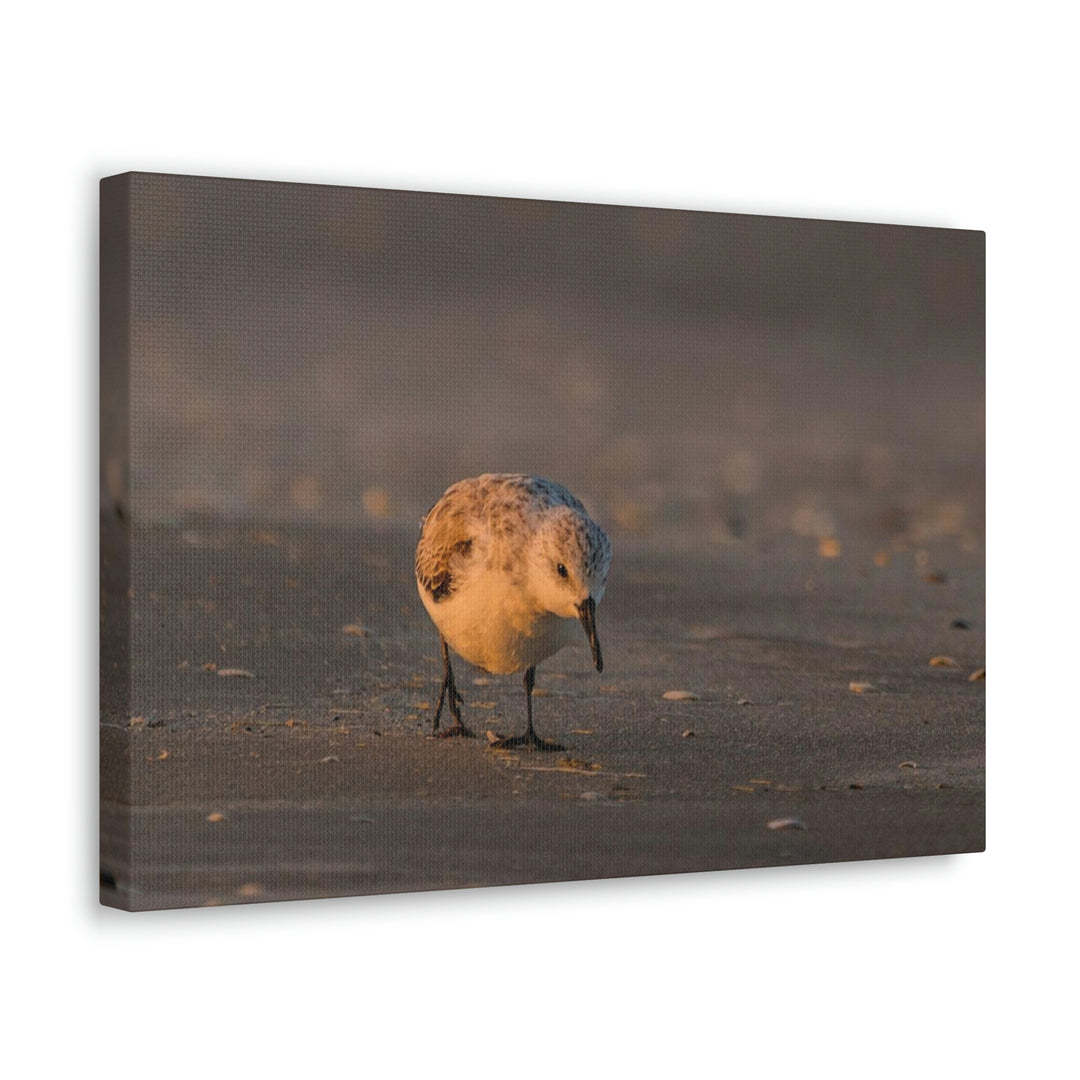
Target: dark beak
pixel 587 615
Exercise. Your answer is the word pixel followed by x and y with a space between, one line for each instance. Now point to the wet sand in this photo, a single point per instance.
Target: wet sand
pixel 315 776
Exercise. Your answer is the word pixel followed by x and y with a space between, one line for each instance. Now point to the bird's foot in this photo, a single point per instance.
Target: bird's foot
pixel 529 741
pixel 455 729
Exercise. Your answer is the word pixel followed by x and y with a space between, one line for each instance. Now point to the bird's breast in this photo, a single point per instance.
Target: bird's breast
pixel 495 624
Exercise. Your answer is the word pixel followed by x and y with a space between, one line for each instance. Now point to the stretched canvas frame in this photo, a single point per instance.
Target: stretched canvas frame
pixel 779 423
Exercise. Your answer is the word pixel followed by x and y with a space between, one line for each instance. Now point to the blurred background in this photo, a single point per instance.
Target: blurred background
pixel 317 354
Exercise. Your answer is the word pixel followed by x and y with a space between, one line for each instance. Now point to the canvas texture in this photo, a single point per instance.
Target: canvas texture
pixel 726 561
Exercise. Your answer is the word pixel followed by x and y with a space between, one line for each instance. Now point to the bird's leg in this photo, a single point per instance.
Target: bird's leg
pixel 530 740
pixel 457 728
pixel 530 682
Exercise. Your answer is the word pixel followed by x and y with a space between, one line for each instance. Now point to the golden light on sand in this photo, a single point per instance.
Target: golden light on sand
pixel 376 501
pixel 950 518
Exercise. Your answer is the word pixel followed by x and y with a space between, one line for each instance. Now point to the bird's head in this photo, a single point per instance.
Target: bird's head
pixel 568 569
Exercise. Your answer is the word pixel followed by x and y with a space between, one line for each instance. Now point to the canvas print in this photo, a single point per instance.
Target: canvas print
pixel 450 541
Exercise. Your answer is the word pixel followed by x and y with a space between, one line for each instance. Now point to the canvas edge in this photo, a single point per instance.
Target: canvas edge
pixel 114 523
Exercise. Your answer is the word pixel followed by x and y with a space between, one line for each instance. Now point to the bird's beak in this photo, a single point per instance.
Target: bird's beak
pixel 587 615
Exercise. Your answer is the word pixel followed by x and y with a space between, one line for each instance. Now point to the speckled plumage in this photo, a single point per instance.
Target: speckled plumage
pixel 477 547
pixel 505 566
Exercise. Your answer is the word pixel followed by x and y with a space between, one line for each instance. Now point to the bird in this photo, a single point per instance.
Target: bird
pixel 510 568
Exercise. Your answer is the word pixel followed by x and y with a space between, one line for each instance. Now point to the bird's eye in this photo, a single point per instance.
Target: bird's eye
pixel 562 570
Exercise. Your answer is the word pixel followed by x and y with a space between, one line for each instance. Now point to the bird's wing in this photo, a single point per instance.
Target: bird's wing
pixel 445 541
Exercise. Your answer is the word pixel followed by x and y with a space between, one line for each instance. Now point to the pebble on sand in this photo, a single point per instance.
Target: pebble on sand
pixel 679 695
pixel 862 687
pixel 785 823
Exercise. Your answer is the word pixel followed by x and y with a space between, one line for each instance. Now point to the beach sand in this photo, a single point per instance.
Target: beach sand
pixel 310 772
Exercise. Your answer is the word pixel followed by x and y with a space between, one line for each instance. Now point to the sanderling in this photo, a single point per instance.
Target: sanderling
pixel 506 565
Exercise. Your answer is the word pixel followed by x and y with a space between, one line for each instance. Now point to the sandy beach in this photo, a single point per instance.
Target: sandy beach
pixel 274 743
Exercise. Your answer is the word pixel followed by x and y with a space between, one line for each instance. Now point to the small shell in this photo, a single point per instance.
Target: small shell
pixel 236 673
pixel 861 687
pixel 215 817
pixel 355 630
pixel 977 676
pixel 679 695
pixel 785 823
pixel 943 661
pixel 688 734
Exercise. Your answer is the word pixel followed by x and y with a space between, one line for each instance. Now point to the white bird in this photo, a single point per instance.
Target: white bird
pixel 507 567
